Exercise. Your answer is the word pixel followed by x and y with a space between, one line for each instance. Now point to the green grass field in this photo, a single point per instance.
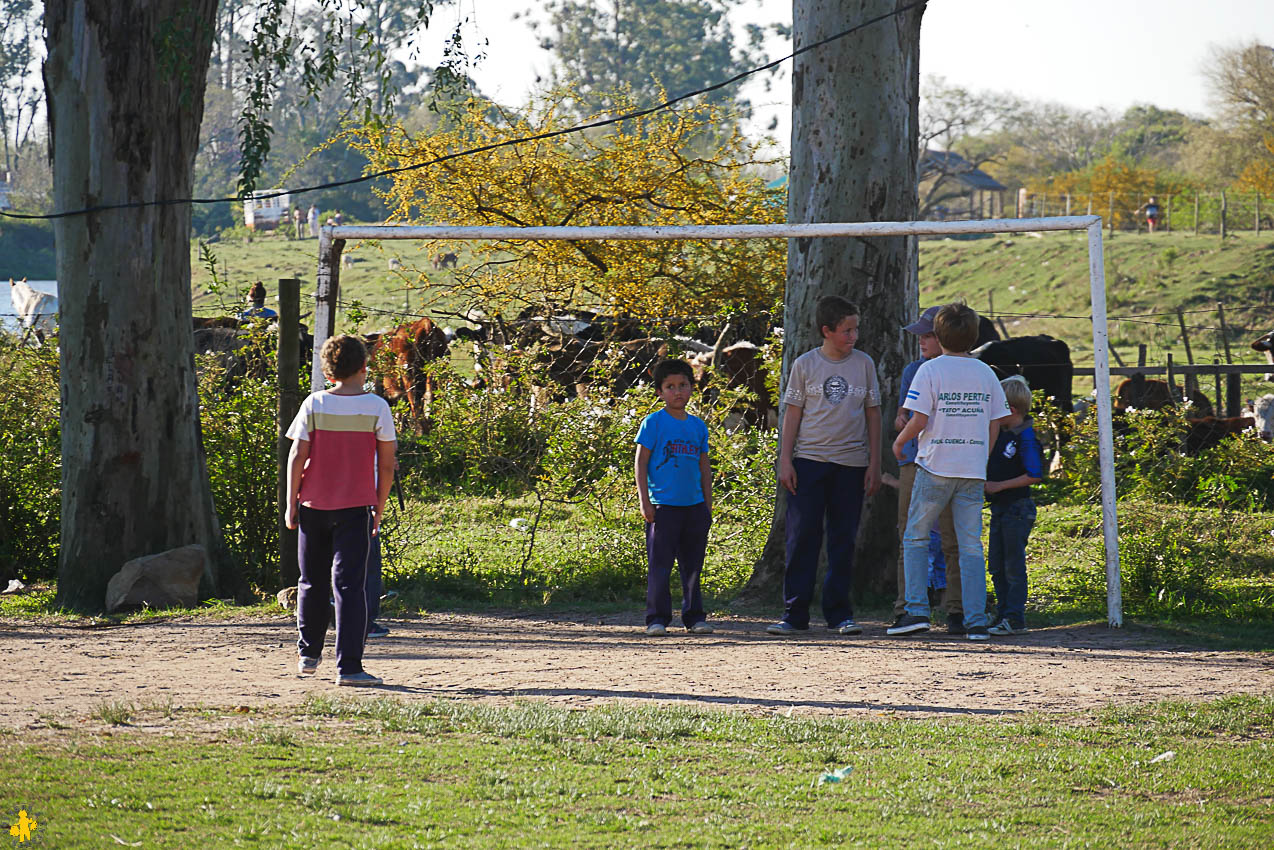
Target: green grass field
pixel 386 774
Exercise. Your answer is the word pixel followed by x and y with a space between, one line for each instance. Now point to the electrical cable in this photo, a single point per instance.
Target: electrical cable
pixel 578 128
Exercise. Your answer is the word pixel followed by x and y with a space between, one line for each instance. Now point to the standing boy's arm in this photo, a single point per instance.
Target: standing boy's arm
pixel 914 427
pixel 900 418
pixel 641 466
pixel 872 482
pixel 791 425
pixel 705 479
pixel 297 457
pixel 385 450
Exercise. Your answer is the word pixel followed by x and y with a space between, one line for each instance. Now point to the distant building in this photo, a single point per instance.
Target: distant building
pixel 952 188
pixel 265 213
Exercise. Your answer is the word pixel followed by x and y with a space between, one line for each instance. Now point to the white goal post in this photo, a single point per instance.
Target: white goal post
pixel 333 238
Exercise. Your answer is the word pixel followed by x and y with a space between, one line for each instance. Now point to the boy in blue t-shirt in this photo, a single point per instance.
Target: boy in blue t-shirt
pixel 1014 465
pixel 674 486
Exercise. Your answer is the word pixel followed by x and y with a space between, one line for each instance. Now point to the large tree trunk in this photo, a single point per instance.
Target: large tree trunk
pixel 854 128
pixel 124 81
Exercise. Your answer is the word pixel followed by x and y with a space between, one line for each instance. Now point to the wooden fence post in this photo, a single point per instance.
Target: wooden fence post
pixel 1233 393
pixel 1068 203
pixel 1224 207
pixel 1196 213
pixel 1141 355
pixel 1191 378
pixel 1112 215
pixel 289 402
pixel 1167 216
pixel 1225 332
pixel 1168 376
pixel 1258 213
pixel 1220 402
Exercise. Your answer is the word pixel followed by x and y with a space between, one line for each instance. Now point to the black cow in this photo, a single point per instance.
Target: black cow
pixel 1044 361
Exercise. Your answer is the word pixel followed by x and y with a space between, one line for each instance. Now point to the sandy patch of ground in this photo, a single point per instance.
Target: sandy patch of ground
pixel 67 671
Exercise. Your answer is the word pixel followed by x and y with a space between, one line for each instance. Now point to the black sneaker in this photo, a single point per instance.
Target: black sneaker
pixel 955 624
pixel 978 633
pixel 908 624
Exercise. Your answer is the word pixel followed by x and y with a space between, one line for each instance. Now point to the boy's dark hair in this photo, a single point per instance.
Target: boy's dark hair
pixel 665 369
pixel 831 309
pixel 343 356
pixel 956 326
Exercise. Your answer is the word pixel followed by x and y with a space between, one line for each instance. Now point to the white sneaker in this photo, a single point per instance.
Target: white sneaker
pixel 306 666
pixel 847 627
pixel 701 628
pixel 656 630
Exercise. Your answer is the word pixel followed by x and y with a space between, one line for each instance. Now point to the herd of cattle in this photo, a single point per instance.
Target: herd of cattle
pixel 566 355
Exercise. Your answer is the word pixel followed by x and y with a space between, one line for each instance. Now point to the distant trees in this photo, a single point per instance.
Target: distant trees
pixel 21 93
pixel 645 48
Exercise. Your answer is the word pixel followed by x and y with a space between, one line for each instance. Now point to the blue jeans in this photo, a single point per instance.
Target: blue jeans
pixel 1011 524
pixel 929 495
pixel 825 493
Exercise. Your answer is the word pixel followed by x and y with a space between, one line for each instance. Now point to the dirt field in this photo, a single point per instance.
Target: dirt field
pixel 66 672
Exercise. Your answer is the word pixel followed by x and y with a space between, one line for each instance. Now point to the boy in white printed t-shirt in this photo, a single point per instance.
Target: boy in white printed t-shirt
pixel 829 460
pixel 957 405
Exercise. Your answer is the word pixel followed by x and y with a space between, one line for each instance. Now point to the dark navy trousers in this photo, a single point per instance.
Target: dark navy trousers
pixel 826 494
pixel 679 533
pixel 333 549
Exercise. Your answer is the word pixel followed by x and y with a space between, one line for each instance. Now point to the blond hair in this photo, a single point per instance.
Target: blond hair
pixel 1017 392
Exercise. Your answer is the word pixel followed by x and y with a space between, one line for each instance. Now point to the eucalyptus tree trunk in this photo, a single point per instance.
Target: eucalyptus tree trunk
pixel 854 129
pixel 124 81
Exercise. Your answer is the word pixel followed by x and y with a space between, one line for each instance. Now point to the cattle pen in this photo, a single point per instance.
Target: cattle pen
pixel 332 242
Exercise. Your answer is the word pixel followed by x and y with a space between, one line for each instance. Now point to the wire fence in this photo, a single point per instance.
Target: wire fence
pixel 1204 212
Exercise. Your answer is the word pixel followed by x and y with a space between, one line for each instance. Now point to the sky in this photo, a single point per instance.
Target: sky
pixel 1082 53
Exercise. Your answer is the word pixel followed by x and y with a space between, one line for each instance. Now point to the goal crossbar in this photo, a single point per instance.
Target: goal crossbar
pixel 333 238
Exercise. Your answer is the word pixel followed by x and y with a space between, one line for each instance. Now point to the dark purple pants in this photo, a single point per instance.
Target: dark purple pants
pixel 333 548
pixel 679 533
pixel 828 496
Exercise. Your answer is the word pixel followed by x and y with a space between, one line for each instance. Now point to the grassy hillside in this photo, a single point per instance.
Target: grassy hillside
pixel 1035 281
pixel 369 280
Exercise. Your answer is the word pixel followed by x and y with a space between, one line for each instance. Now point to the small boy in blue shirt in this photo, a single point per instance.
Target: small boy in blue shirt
pixel 674 486
pixel 1014 465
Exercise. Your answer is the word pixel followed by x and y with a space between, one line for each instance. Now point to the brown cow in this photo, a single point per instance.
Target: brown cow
pixel 1153 394
pixel 399 359
pixel 740 367
pixel 1206 432
pixel 447 260
pixel 200 323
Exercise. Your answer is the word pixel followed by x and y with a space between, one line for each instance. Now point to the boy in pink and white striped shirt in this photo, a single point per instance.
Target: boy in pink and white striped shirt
pixel 340 472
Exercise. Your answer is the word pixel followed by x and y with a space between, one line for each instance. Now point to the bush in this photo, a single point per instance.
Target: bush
pixel 1237 473
pixel 240 442
pixel 30 461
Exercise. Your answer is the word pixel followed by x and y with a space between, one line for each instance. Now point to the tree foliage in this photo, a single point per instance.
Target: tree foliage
pixel 638 174
pixel 20 90
pixel 647 47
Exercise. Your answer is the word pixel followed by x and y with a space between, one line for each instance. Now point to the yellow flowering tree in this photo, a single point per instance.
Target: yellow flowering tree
pixel 669 168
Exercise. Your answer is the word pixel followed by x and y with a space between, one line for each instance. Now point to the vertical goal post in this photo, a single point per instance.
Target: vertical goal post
pixel 332 241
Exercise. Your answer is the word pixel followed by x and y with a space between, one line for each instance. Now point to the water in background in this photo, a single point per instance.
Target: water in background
pixel 9 319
